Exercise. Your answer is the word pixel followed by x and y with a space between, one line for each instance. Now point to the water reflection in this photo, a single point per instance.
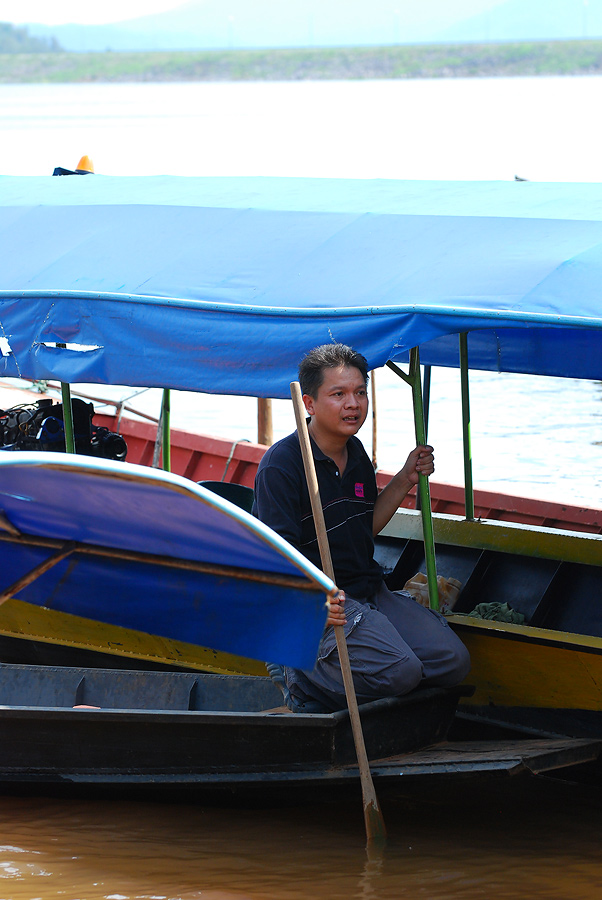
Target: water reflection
pixel 508 839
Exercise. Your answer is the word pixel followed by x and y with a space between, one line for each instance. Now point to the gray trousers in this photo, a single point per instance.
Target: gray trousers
pixel 394 644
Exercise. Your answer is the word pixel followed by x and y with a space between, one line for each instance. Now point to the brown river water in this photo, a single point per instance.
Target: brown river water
pixel 509 838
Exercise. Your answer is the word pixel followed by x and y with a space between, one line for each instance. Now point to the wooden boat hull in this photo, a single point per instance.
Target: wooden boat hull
pixel 544 675
pixel 226 736
pixel 67 723
pixel 533 678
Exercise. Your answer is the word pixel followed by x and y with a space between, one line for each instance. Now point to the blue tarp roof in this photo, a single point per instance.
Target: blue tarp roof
pixel 222 284
pixel 133 510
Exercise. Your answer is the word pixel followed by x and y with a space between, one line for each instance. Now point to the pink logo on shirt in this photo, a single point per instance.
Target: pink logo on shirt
pixel 359 490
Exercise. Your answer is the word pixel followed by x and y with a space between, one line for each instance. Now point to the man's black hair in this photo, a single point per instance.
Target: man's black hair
pixel 328 356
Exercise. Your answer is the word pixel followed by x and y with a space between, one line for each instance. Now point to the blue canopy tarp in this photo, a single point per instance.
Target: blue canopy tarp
pixel 156 553
pixel 222 284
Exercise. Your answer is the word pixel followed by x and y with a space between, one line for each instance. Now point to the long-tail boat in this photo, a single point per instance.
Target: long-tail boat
pixel 227 737
pixel 221 284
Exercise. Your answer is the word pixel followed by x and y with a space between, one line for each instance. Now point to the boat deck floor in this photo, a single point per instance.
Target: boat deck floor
pixel 446 759
pixel 510 757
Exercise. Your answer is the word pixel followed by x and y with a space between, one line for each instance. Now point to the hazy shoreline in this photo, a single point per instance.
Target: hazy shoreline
pixel 579 57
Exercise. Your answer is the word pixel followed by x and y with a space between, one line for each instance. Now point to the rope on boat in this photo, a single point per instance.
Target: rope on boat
pixel 232 449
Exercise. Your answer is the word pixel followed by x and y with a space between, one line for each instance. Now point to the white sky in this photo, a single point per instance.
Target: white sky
pixel 59 12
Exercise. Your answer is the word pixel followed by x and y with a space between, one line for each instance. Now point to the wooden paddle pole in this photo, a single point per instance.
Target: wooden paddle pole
pixel 265 429
pixel 375 826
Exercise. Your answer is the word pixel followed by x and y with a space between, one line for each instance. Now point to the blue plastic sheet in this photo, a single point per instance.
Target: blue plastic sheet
pixel 136 510
pixel 222 284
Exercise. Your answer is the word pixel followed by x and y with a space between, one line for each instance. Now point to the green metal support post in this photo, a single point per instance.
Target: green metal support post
pixel 413 379
pixel 67 418
pixel 166 412
pixel 67 412
pixel 466 441
pixel 426 405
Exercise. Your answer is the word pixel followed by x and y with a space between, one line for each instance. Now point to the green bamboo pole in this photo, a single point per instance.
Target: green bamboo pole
pixel 67 418
pixel 166 412
pixel 423 483
pixel 67 413
pixel 426 405
pixel 466 438
pixel 426 398
pixel 413 379
pixel 374 420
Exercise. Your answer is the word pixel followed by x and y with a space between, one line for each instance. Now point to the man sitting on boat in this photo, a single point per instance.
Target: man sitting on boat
pixel 394 643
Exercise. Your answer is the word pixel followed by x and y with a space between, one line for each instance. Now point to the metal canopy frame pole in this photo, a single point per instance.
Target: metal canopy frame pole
pixel 67 411
pixel 67 418
pixel 466 437
pixel 158 439
pixel 413 379
pixel 374 420
pixel 426 403
pixel 166 432
pixel 426 398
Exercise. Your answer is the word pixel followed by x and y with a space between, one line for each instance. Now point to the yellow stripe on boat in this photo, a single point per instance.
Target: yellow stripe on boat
pixel 517 665
pixel 25 620
pixel 507 537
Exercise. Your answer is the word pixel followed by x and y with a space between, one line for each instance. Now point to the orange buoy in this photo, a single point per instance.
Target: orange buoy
pixel 85 166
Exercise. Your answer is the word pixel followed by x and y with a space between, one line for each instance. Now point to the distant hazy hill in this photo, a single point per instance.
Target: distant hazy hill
pixel 19 40
pixel 519 20
pixel 211 24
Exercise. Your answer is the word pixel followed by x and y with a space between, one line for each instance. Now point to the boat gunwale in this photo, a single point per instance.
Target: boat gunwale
pixel 528 633
pixel 485 534
pixel 380 706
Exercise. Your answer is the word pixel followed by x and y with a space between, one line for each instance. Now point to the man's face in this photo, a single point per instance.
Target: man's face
pixel 341 405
